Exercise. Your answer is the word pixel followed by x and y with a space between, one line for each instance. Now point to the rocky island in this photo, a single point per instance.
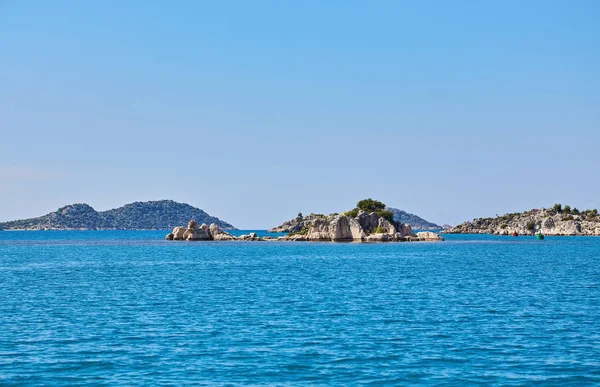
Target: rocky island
pixel 557 220
pixel 398 216
pixel 368 222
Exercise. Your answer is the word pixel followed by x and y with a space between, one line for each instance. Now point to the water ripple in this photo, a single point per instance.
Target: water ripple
pixel 128 308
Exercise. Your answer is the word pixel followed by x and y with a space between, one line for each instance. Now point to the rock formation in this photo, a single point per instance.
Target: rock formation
pixel 550 221
pixel 364 227
pixel 370 221
pixel 298 223
pixel 334 228
pixel 338 228
pixel 219 235
pixel 178 233
pixel 195 233
pixel 429 236
pixel 202 233
pixel 399 216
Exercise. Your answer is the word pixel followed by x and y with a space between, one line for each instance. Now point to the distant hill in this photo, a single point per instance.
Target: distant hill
pixel 415 221
pixel 154 215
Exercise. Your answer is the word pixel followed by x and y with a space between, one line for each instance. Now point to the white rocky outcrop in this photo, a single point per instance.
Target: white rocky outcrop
pixel 545 221
pixel 202 233
pixel 333 228
pixel 365 227
pixel 177 234
pixel 195 233
pixel 218 234
pixel 338 228
pixel 429 236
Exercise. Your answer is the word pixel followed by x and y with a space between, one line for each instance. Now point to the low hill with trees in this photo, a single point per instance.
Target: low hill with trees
pixel 153 215
pixel 557 220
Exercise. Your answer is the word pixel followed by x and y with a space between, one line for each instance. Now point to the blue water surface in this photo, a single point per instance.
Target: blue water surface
pixel 129 308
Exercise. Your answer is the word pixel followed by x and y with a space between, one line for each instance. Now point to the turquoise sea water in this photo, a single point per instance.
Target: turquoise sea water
pixel 129 308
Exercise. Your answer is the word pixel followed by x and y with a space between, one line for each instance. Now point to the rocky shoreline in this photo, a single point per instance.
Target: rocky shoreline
pixel 370 221
pixel 555 221
pixel 335 228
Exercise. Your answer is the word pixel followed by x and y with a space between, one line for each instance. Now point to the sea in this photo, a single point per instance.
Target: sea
pixel 130 308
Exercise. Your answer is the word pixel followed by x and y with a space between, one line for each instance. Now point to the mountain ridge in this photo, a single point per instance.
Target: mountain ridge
pixel 415 221
pixel 150 215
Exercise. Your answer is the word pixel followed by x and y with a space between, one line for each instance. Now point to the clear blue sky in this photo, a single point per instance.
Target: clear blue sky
pixel 255 110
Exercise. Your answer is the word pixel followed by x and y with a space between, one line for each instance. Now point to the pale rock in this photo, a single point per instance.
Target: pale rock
pixel 218 234
pixel 406 230
pixel 201 233
pixel 546 221
pixel 320 231
pixel 386 225
pixel 367 221
pixel 339 228
pixel 345 228
pixel 381 237
pixel 547 225
pixel 178 233
pixel 429 236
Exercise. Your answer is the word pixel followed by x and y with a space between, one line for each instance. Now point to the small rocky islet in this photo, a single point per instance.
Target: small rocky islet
pixel 555 221
pixel 368 222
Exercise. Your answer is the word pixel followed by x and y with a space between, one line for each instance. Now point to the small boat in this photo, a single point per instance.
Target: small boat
pixel 540 237
pixel 515 234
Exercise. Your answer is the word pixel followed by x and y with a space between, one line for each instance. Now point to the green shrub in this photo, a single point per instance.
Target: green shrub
pixel 379 230
pixel 566 218
pixel 567 209
pixel 557 208
pixel 352 213
pixel 503 226
pixel 303 231
pixel 531 225
pixel 388 215
pixel 370 205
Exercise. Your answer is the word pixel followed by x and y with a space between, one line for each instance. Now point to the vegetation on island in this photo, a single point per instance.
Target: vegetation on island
pixel 153 215
pixel 567 212
pixel 303 224
pixel 556 220
pixel 369 221
pixel 300 225
pixel 370 205
pixel 303 231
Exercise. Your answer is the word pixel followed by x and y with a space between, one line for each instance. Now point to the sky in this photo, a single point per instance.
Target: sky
pixel 257 110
